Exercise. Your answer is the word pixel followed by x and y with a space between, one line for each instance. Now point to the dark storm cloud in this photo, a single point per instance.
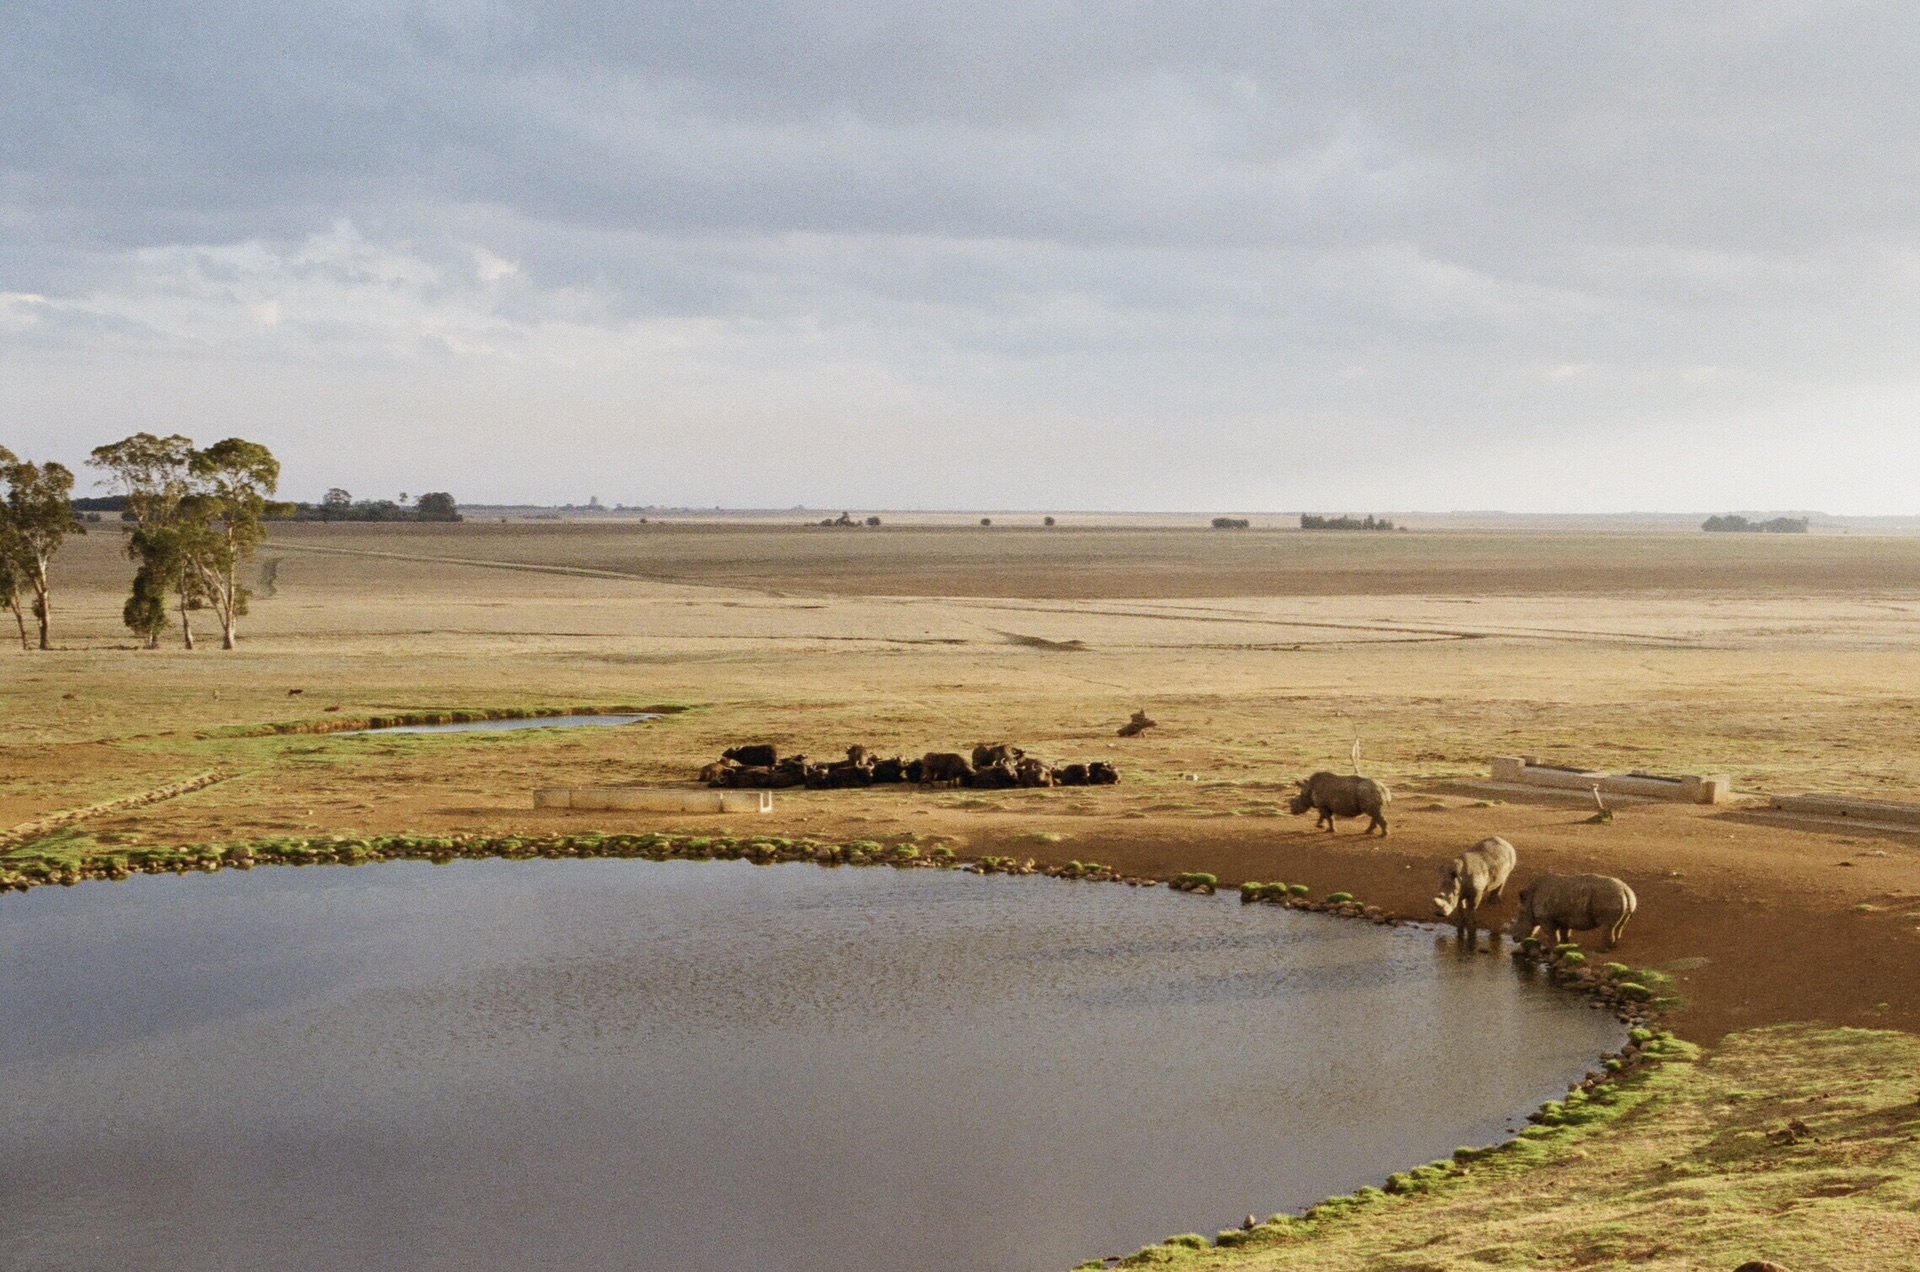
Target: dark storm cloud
pixel 1262 223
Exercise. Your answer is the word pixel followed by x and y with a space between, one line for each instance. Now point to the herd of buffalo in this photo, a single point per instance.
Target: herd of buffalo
pixel 1553 905
pixel 992 764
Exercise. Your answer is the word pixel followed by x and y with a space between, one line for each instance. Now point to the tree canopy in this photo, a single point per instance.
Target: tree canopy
pixel 35 517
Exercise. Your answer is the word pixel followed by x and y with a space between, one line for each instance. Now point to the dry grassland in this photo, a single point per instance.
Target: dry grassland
pixel 1790 662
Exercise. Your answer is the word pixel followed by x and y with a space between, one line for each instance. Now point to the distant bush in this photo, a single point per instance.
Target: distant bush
pixel 1733 523
pixel 873 521
pixel 341 506
pixel 1048 521
pixel 1313 521
pixel 436 505
pixel 1231 523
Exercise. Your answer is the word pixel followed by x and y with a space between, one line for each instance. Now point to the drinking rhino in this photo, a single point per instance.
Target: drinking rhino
pixel 1560 904
pixel 1475 877
pixel 1334 795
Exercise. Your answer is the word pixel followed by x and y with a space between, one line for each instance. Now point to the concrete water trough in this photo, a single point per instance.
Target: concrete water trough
pixel 1864 812
pixel 1691 788
pixel 652 799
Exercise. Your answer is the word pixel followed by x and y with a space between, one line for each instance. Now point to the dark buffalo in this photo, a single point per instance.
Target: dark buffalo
pixel 943 766
pixel 985 753
pixel 1034 772
pixel 1070 775
pixel 995 776
pixel 1101 773
pixel 893 769
pixel 764 755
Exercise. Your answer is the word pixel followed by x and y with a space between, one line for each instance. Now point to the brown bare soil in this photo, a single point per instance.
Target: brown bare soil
pixel 1791 663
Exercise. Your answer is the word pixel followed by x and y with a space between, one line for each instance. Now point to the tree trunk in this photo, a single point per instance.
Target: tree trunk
pixel 21 619
pixel 153 640
pixel 230 610
pixel 43 614
pixel 186 624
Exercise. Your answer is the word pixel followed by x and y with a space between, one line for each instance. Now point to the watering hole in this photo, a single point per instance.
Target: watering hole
pixel 698 1066
pixel 500 726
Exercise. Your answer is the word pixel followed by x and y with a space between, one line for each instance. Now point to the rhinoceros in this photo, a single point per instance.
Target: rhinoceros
pixel 1334 795
pixel 1472 879
pixel 1560 904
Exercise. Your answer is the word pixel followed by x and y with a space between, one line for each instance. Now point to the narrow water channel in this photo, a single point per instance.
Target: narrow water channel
pixel 503 726
pixel 711 1067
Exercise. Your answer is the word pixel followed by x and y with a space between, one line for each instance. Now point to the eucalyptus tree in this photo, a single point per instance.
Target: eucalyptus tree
pixel 233 486
pixel 9 577
pixel 154 475
pixel 35 517
pixel 10 591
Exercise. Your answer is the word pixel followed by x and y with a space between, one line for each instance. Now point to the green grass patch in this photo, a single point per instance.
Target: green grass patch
pixel 1689 1163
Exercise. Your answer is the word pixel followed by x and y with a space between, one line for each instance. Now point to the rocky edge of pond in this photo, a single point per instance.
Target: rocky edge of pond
pixel 1631 995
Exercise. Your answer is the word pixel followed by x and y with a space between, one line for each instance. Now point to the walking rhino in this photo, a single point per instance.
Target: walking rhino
pixel 1334 795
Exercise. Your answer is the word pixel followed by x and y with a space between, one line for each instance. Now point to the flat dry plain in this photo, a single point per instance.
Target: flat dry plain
pixel 1790 662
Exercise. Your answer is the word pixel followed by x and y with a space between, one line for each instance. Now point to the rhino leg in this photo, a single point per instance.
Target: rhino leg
pixel 1618 926
pixel 1375 819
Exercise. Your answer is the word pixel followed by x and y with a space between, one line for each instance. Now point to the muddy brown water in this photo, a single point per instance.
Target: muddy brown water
pixel 694 1066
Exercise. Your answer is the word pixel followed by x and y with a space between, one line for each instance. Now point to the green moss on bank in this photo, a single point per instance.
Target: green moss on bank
pixel 1795 1143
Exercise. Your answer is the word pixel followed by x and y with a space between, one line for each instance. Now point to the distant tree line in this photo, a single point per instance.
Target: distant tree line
pixel 1313 521
pixel 1231 523
pixel 846 519
pixel 340 505
pixel 1736 524
pixel 195 517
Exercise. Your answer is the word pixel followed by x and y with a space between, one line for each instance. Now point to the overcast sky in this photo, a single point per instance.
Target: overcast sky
pixel 1343 256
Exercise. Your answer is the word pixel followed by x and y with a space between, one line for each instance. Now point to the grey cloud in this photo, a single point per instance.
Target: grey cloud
pixel 1266 224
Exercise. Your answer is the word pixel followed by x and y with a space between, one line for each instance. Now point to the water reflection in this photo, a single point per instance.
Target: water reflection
pixel 692 1066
